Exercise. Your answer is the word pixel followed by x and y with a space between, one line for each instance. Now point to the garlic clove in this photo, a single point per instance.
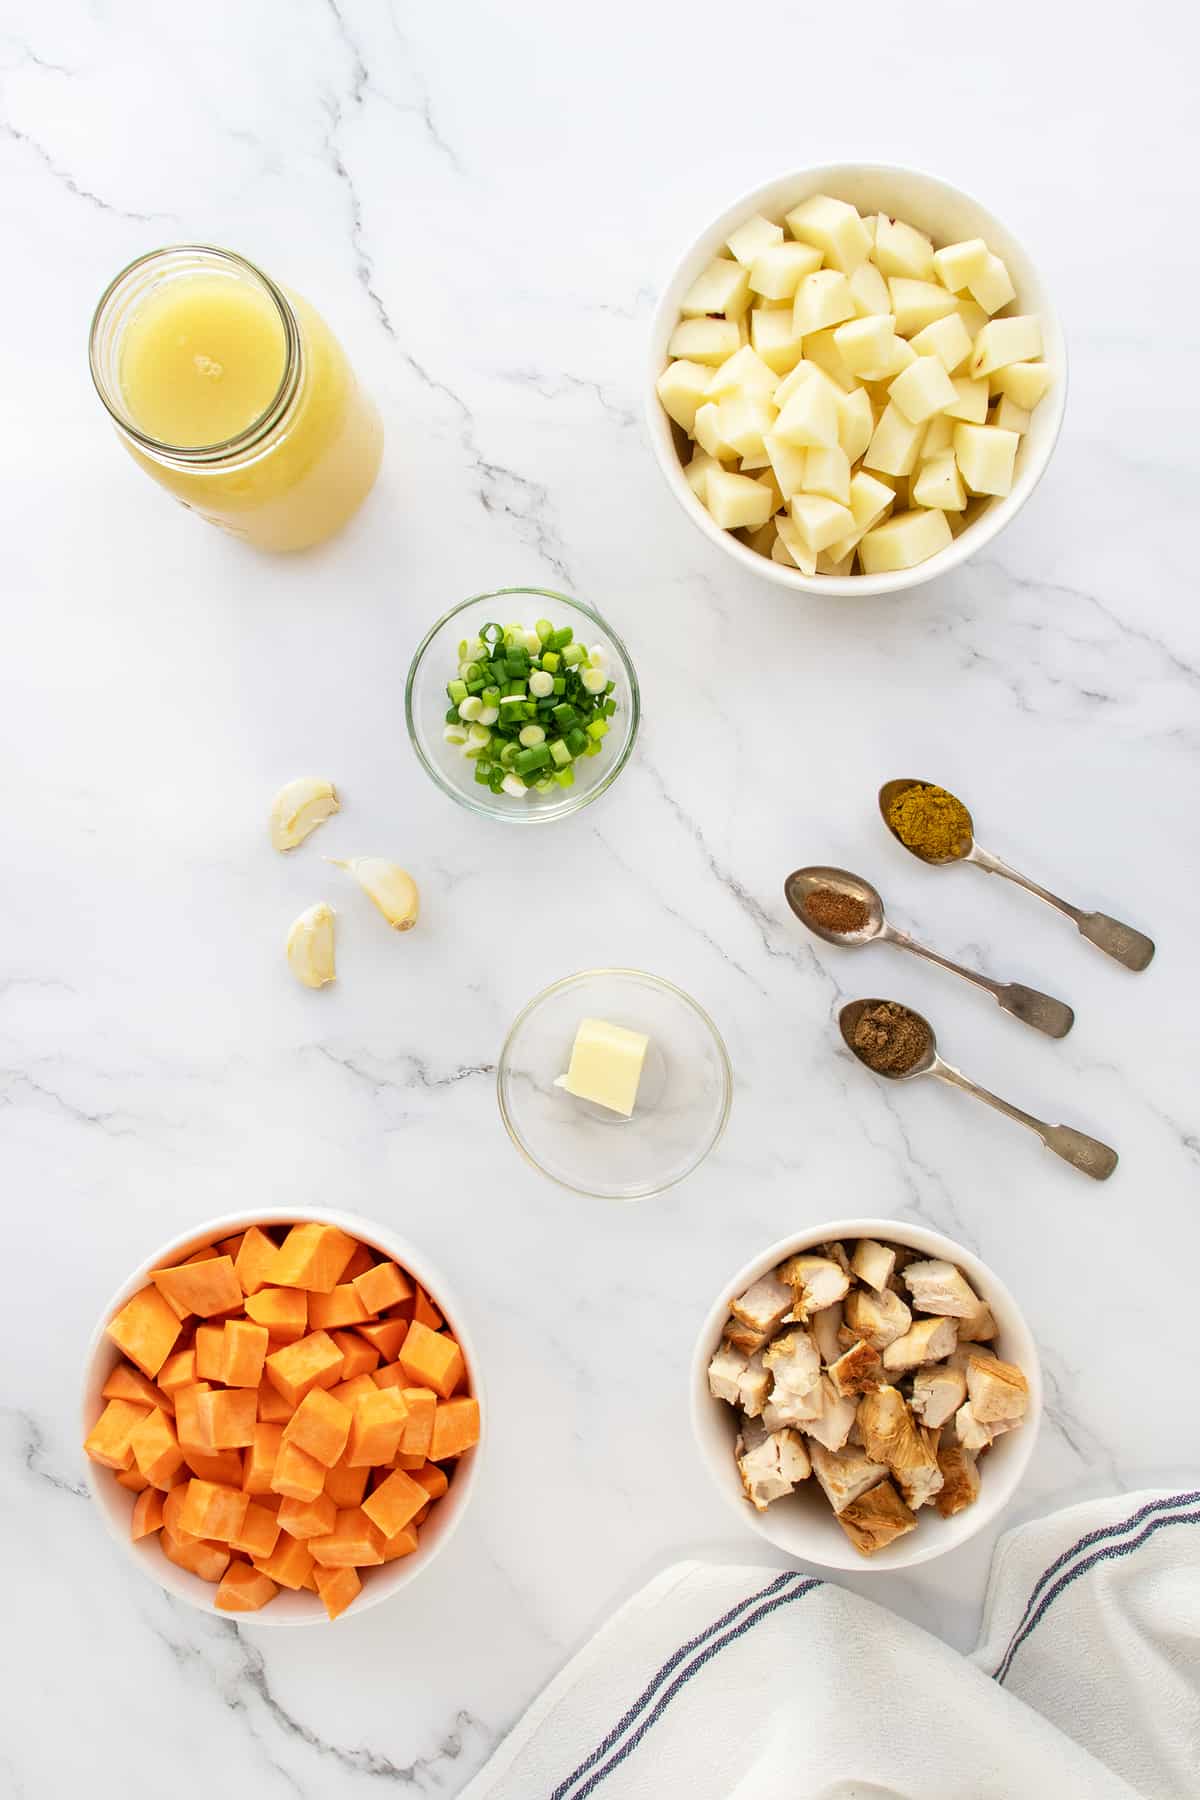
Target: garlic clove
pixel 298 808
pixel 310 946
pixel 391 888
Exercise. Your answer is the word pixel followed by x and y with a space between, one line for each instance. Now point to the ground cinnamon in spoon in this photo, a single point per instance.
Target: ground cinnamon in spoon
pixel 834 911
pixel 890 1039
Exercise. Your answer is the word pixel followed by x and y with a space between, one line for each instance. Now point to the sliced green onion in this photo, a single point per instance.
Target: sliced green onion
pixel 457 690
pixel 530 735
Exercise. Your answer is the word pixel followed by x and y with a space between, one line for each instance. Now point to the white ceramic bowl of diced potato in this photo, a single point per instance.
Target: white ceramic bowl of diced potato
pixel 803 1524
pixel 948 217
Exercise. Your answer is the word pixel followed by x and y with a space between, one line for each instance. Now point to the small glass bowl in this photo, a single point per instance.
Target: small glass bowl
pixel 683 1100
pixel 436 663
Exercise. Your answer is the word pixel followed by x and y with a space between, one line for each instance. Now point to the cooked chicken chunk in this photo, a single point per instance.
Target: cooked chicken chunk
pixel 764 1306
pixel 960 1480
pixel 794 1361
pixel 877 1519
pixel 927 1341
pixel 832 1427
pixel 844 1474
pixel 879 1318
pixel 979 1327
pixel 998 1390
pixel 938 1287
pixel 976 1434
pixel 725 1372
pixel 962 1355
pixel 816 1281
pixel 859 1369
pixel 873 1263
pixel 771 1467
pixel 836 1253
pixel 744 1336
pixel 890 1435
pixel 938 1390
pixel 787 1409
pixel 824 1327
pixel 753 1386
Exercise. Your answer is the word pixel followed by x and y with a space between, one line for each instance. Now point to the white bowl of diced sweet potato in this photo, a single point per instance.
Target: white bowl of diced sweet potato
pixel 978 1481
pixel 281 1412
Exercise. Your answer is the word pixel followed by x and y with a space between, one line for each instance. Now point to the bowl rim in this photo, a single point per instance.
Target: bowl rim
pixel 379 1237
pixel 994 1496
pixel 980 532
pixel 575 800
pixel 671 987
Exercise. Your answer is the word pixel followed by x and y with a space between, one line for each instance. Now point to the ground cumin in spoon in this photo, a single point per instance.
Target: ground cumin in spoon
pixel 890 1039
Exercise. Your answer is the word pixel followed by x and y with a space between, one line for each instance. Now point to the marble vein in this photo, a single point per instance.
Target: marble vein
pixel 32 1451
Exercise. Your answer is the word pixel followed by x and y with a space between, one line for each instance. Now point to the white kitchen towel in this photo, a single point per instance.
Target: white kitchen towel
pixel 726 1683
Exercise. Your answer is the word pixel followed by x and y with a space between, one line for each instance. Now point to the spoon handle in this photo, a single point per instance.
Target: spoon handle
pixel 1132 949
pixel 1042 1011
pixel 1087 1154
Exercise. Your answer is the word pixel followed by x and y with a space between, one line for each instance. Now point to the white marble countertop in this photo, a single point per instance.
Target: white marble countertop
pixel 483 201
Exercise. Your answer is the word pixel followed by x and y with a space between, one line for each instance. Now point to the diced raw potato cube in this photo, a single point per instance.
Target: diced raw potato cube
pixel 724 287
pixel 787 463
pixel 937 483
pixel 900 356
pixel 735 501
pixel 696 474
pixel 916 304
pixel 708 434
pixel 819 520
pixel 828 472
pixel 856 422
pixel 822 298
pixel 869 500
pixel 894 444
pixel 750 465
pixel 1011 417
pixel 809 418
pixel 767 480
pixel 682 387
pixel 903 542
pixel 762 541
pixel 794 547
pixel 970 400
pixel 972 315
pixel 752 238
pixel 869 291
pixel 1002 341
pixel 806 371
pixel 901 249
pixel 820 348
pixel 773 338
pixel 705 340
pixel 992 287
pixel 745 370
pixel 939 437
pixel 829 563
pixel 957 264
pixel 921 390
pixel 864 343
pixel 947 339
pixel 743 420
pixel 870 226
pixel 777 273
pixel 835 228
pixel 985 457
pixel 1026 383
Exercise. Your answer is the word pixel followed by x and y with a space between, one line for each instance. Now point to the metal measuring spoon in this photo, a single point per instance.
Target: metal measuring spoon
pixel 1132 949
pixel 1087 1154
pixel 1041 1011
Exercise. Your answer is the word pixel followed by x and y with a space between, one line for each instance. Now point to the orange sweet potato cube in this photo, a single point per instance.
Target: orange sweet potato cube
pixel 402 1544
pixel 354 1542
pixel 345 1485
pixel 359 1263
pixel 212 1510
pixel 273 1409
pixel 337 1588
pixel 312 1256
pixel 284 1312
pixel 110 1440
pixel 376 1428
pixel 455 1428
pixel 145 1330
pixel 252 1259
pixel 228 1417
pixel 243 1589
pixel 315 1361
pixel 245 1352
pixel 420 1518
pixel 393 1505
pixel 404 1461
pixel 178 1371
pixel 210 1353
pixel 128 1383
pixel 147 1514
pixel 391 1375
pixel 349 1392
pixel 224 1466
pixel 431 1359
pixel 228 1246
pixel 418 1427
pixel 188 1424
pixel 156 1448
pixel 260 1459
pixel 209 1561
pixel 385 1284
pixel 337 1310
pixel 297 1475
pixel 131 1479
pixel 435 1481
pixel 173 1504
pixel 386 1336
pixel 206 1286
pixel 290 1563
pixel 258 1531
pixel 320 1425
pixel 358 1357
pixel 425 1312
pixel 308 1518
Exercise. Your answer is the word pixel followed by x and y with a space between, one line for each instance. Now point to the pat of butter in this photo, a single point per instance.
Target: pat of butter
pixel 606 1065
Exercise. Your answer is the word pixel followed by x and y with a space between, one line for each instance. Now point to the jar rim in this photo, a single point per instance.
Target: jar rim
pixel 258 428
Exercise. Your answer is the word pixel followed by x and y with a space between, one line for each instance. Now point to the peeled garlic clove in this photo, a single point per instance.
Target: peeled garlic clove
pixel 391 888
pixel 310 946
pixel 299 808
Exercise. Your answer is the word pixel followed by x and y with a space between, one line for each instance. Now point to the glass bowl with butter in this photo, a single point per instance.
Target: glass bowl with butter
pixel 614 1083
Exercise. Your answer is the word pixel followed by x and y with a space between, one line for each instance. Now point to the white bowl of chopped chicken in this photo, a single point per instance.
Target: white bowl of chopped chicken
pixel 877 290
pixel 866 1395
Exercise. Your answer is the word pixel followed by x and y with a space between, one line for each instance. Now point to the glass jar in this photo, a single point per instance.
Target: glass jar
pixel 300 443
